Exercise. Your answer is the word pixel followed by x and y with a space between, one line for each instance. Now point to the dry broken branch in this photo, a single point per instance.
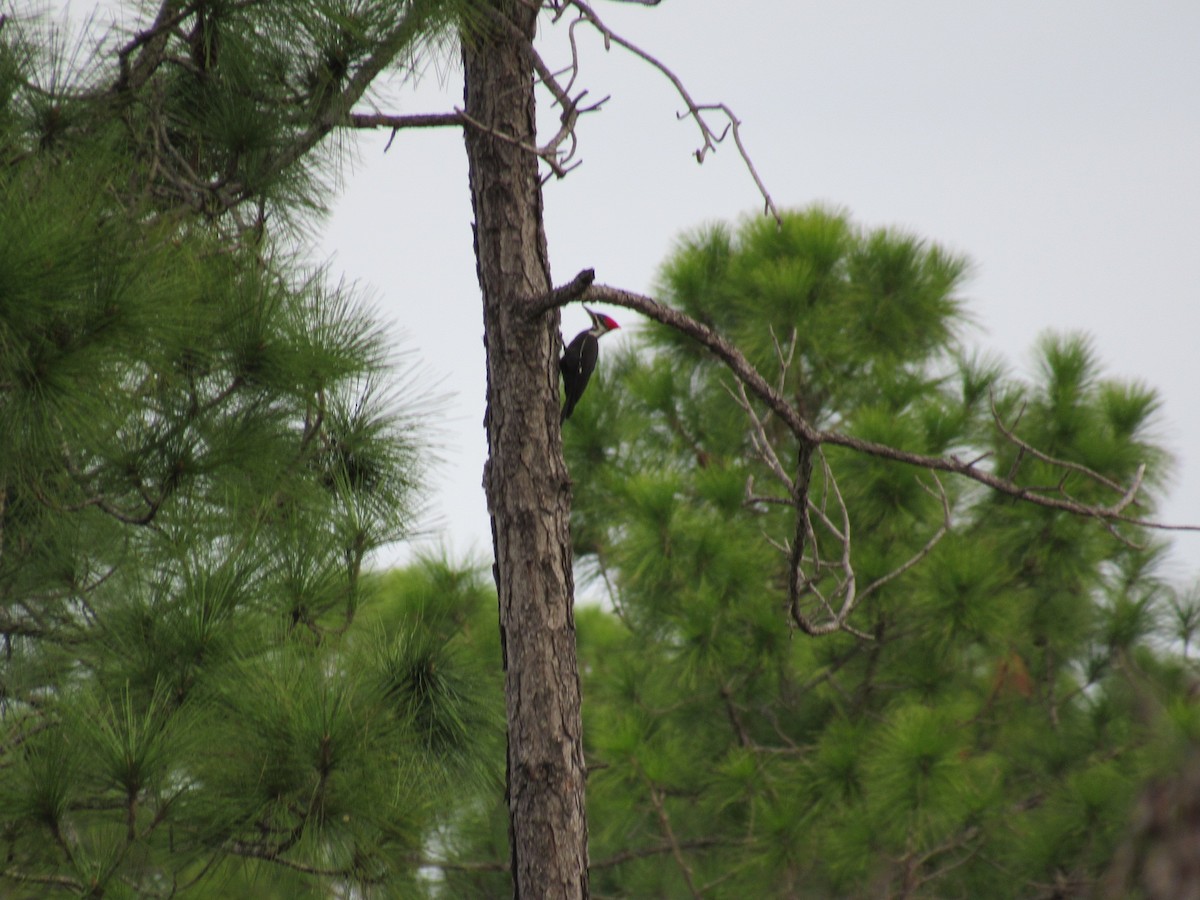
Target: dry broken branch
pixel 710 137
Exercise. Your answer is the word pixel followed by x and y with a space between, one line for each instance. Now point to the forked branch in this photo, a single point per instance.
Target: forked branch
pixel 710 137
pixel 806 567
pixel 804 430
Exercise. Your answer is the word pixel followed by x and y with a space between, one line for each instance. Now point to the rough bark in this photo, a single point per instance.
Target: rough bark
pixel 526 481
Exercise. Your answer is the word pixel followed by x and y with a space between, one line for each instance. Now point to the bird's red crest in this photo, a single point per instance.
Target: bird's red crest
pixel 609 323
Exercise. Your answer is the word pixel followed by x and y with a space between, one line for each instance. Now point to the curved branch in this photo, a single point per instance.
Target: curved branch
pixel 549 152
pixel 804 431
pixel 695 111
pixel 563 294
pixel 1066 464
pixel 716 343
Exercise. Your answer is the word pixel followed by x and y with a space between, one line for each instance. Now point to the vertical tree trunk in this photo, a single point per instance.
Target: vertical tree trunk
pixel 527 487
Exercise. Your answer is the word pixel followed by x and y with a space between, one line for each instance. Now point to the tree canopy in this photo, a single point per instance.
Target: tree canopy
pixel 1011 691
pixel 201 442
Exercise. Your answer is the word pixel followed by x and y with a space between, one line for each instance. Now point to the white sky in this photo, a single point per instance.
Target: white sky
pixel 1056 144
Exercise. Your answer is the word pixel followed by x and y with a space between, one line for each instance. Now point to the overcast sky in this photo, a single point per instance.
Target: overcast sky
pixel 1056 144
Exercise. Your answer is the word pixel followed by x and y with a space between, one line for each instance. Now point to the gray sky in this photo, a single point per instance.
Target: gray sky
pixel 1056 144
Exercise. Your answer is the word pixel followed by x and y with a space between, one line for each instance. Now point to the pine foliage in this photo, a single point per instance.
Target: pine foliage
pixel 1017 686
pixel 201 688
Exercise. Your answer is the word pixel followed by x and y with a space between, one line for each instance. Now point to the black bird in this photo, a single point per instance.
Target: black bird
pixel 579 359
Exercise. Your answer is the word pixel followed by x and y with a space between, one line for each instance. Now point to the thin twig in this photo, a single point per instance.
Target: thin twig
pixel 916 558
pixel 1066 464
pixel 695 111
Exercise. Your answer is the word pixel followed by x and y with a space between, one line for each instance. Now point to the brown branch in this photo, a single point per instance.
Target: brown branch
pixel 1066 464
pixel 271 855
pixel 804 431
pixel 414 120
pixel 758 439
pixel 550 160
pixel 695 111
pixel 1002 485
pixel 152 42
pixel 735 129
pixel 563 294
pixel 550 152
pixel 716 343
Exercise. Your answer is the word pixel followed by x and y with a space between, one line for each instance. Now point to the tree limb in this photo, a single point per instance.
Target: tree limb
pixel 563 294
pixel 413 120
pixel 695 111
pixel 804 431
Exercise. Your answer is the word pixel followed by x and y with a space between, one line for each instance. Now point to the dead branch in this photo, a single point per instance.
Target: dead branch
pixel 550 152
pixel 563 294
pixel 395 123
pixel 710 138
pixel 805 432
pixel 1064 464
pixel 847 581
pixel 716 343
pixel 152 43
pixel 763 448
pixel 835 610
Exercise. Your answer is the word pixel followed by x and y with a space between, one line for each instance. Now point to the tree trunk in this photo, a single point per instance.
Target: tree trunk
pixel 525 479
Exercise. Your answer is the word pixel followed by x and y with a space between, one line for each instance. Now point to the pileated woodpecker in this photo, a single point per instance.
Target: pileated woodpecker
pixel 579 359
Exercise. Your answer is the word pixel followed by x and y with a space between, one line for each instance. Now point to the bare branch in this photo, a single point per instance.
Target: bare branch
pixel 549 152
pixel 152 42
pixel 1064 464
pixel 810 439
pixel 1000 484
pixel 804 431
pixel 550 158
pixel 695 111
pixel 563 294
pixel 716 343
pixel 274 855
pixel 758 437
pixel 415 120
pixel 734 128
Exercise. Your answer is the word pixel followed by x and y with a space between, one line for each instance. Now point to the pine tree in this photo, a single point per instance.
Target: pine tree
pixel 987 732
pixel 200 446
pixel 209 423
